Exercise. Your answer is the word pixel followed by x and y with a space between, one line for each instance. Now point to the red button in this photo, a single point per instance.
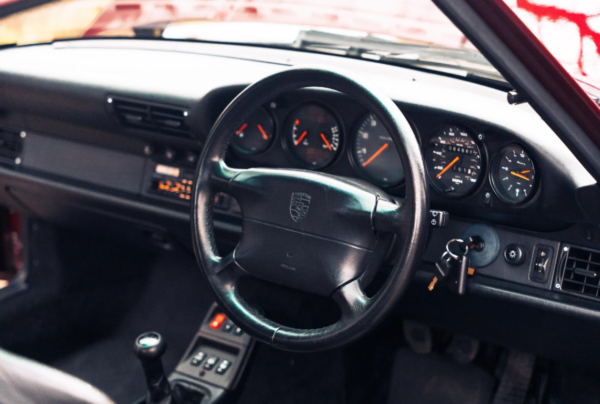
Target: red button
pixel 217 321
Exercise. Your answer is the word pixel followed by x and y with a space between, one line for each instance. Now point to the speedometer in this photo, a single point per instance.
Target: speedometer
pixel 454 161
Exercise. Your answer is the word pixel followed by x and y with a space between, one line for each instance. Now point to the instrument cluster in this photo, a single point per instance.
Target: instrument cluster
pixel 455 155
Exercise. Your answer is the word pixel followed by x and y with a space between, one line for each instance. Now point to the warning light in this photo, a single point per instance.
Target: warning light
pixel 217 321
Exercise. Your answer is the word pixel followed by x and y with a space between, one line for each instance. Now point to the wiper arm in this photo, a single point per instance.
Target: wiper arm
pixel 462 62
pixel 357 45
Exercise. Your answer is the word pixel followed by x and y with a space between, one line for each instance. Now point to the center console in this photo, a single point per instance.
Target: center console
pixel 217 356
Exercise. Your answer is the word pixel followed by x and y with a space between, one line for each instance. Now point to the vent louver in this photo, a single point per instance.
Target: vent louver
pixel 10 144
pixel 579 272
pixel 157 118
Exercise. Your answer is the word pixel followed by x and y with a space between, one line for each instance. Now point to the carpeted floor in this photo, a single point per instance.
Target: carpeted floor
pixel 173 302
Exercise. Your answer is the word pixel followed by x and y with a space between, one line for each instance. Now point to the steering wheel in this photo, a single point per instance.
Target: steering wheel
pixel 315 232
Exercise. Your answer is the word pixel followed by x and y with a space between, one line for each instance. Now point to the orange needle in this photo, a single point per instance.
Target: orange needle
pixel 263 132
pixel 240 130
pixel 523 172
pixel 300 139
pixel 325 140
pixel 377 153
pixel 519 175
pixel 447 167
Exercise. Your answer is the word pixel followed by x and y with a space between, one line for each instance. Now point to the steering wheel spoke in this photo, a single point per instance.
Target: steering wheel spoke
pixel 392 216
pixel 351 300
pixel 226 270
pixel 221 176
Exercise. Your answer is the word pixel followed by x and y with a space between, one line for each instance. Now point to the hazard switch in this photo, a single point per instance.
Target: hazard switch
pixel 217 321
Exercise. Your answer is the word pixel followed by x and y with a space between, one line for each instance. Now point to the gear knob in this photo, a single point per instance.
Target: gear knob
pixel 149 348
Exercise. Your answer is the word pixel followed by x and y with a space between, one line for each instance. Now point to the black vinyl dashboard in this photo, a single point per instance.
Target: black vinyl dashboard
pixel 107 133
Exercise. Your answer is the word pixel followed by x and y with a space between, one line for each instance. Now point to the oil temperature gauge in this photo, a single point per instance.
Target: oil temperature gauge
pixel 255 135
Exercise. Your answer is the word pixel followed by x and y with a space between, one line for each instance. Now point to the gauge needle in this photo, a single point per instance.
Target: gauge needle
pixel 519 175
pixel 377 153
pixel 448 167
pixel 300 139
pixel 325 140
pixel 240 130
pixel 523 172
pixel 263 132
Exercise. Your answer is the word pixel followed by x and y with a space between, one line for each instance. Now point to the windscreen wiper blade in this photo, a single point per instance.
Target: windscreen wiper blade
pixel 461 62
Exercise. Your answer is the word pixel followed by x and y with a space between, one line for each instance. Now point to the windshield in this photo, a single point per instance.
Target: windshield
pixel 404 32
pixel 409 32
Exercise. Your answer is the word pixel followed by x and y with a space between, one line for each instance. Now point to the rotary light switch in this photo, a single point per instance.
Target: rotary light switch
pixel 514 254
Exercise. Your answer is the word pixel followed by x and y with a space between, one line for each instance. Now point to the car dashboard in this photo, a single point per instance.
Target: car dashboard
pixel 105 134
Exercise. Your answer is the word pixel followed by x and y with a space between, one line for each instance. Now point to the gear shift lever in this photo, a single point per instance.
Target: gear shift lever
pixel 149 347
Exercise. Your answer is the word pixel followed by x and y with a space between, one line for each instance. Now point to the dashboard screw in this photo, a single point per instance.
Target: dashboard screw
pixel 557 286
pixel 273 105
pixel 23 134
pixel 565 249
pixel 109 100
pixel 18 160
pixel 481 136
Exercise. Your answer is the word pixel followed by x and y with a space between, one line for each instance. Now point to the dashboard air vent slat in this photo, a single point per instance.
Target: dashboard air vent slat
pixel 579 272
pixel 10 144
pixel 164 119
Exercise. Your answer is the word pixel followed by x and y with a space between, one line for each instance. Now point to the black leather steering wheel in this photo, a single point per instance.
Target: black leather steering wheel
pixel 309 230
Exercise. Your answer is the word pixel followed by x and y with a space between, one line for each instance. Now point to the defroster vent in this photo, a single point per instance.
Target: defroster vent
pixel 579 272
pixel 150 117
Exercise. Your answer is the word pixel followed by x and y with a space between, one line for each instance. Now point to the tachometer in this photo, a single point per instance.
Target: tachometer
pixel 374 153
pixel 312 136
pixel 454 161
pixel 513 175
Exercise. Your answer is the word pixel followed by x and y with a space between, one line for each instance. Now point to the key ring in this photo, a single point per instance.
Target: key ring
pixel 455 256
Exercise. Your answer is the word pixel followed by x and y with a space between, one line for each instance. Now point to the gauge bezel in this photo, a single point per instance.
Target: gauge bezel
pixel 356 167
pixel 482 150
pixel 242 153
pixel 292 156
pixel 497 156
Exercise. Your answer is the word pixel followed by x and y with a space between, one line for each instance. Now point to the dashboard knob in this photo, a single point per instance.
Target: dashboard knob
pixel 169 154
pixel 514 254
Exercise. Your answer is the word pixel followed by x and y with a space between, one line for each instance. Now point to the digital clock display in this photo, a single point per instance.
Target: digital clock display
pixel 180 188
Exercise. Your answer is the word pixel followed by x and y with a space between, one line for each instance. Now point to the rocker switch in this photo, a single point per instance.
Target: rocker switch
pixel 541 264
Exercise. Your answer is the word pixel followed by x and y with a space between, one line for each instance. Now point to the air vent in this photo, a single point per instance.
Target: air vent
pixel 10 144
pixel 580 271
pixel 146 116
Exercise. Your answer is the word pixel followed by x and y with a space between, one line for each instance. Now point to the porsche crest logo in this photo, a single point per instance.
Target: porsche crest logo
pixel 299 205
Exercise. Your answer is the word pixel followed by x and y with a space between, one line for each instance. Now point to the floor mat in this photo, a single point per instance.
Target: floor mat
pixel 516 378
pixel 425 379
pixel 173 302
pixel 278 377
